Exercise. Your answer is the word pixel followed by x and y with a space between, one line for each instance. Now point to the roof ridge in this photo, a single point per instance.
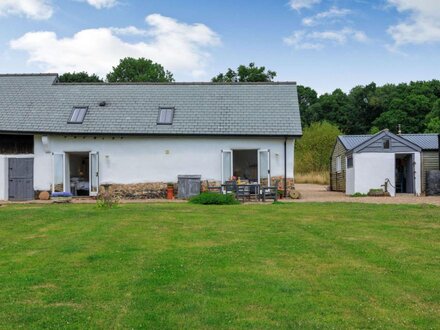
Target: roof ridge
pixel 27 74
pixel 200 83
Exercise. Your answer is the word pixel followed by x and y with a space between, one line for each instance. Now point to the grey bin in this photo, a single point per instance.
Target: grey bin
pixel 188 186
pixel 433 183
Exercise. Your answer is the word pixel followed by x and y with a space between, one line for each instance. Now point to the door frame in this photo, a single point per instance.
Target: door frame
pixel 91 155
pixel 66 173
pixel 269 175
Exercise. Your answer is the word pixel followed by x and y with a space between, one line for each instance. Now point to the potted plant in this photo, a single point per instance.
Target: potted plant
pixel 280 193
pixel 170 190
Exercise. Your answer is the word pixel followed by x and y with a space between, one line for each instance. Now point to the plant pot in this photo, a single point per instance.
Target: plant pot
pixel 170 192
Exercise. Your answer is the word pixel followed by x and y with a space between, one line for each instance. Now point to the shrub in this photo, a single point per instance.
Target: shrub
pixel 313 150
pixel 107 200
pixel 358 194
pixel 210 198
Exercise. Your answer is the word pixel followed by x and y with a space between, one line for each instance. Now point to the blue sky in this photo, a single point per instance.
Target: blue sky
pixel 325 44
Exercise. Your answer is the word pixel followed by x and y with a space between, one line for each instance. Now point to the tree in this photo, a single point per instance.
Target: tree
pixel 307 97
pixel 313 150
pixel 244 73
pixel 79 77
pixel 433 119
pixel 139 70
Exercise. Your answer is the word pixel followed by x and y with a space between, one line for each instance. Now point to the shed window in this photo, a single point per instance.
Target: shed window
pixel 166 116
pixel 338 164
pixel 78 115
pixel 350 162
pixel 386 143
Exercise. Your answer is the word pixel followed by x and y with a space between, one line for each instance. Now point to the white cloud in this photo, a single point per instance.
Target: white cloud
pixel 331 14
pixel 34 9
pixel 99 4
pixel 319 39
pixel 301 4
pixel 422 25
pixel 180 47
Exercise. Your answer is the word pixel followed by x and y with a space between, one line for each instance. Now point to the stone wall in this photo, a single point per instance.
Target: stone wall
pixel 157 190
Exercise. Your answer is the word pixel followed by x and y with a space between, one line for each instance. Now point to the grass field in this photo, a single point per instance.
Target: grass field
pixel 174 266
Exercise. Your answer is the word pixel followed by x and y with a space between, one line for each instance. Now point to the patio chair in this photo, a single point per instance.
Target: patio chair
pixel 215 189
pixel 270 192
pixel 230 187
pixel 243 193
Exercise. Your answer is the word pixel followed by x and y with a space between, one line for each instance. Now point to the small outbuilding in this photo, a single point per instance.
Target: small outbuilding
pixel 397 163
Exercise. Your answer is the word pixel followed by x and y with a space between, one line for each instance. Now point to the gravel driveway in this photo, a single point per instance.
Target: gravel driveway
pixel 318 193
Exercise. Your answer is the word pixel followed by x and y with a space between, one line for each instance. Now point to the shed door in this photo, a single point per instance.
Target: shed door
pixel 21 179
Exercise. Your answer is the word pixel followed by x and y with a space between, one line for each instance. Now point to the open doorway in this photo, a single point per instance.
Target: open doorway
pixel 404 173
pixel 79 173
pixel 245 165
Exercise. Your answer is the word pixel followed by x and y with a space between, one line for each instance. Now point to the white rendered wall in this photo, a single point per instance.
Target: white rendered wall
pixel 155 159
pixel 372 169
pixel 349 183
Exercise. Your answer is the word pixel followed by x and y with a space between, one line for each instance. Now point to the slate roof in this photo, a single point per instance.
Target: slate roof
pixel 38 104
pixel 424 141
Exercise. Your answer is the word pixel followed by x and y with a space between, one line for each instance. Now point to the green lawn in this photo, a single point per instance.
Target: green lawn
pixel 254 266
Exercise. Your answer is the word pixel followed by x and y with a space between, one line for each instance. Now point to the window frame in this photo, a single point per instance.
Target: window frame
pixel 349 161
pixel 386 140
pixel 170 122
pixel 70 121
pixel 338 164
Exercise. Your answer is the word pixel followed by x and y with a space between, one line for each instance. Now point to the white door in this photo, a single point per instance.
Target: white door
pixel 94 173
pixel 264 167
pixel 59 171
pixel 227 171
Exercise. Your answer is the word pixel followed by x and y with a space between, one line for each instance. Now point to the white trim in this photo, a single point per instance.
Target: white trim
pixel 63 154
pixel 93 153
pixel 232 164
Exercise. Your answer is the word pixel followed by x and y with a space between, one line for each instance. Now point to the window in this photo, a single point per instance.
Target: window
pixel 386 143
pixel 338 164
pixel 350 162
pixel 78 115
pixel 166 116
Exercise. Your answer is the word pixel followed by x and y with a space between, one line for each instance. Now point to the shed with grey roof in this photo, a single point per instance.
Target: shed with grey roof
pixel 403 148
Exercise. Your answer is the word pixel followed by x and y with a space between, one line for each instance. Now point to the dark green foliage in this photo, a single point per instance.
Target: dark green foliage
pixel 139 70
pixel 79 77
pixel 209 198
pixel 369 109
pixel 313 150
pixel 244 73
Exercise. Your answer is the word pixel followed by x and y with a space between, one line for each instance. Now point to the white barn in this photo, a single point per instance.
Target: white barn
pixel 75 137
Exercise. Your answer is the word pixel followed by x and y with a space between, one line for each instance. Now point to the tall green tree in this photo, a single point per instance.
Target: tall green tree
pixel 79 77
pixel 307 97
pixel 139 70
pixel 250 73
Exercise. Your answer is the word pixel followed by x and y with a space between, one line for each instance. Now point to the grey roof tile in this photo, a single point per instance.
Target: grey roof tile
pixel 424 141
pixel 34 103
